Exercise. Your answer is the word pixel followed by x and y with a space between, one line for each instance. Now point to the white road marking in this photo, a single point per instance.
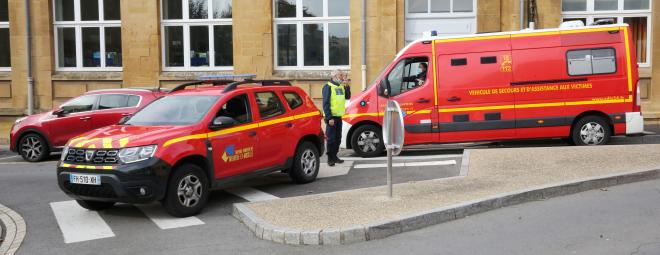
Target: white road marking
pixel 408 164
pixel 405 157
pixel 79 224
pixel 158 216
pixel 251 194
pixel 10 157
pixel 326 171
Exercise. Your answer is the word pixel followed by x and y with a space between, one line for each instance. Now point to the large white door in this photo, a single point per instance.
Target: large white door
pixel 447 17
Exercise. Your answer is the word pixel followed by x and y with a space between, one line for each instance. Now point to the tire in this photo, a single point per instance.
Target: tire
pixel 95 205
pixel 187 191
pixel 305 163
pixel 590 131
pixel 33 148
pixel 367 141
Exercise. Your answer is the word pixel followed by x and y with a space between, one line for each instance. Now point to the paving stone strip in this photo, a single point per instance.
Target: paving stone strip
pixel 496 178
pixel 14 227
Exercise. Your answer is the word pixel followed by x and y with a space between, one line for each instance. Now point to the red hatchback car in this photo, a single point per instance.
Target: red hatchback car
pixel 34 137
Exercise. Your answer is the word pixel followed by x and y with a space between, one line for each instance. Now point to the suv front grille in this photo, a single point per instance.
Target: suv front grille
pixel 92 156
pixel 103 191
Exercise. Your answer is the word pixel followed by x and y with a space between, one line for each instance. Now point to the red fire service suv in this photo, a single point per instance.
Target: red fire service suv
pixel 182 145
pixel 35 136
pixel 578 83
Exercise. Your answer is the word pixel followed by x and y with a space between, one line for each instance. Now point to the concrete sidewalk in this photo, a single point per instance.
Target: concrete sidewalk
pixel 496 178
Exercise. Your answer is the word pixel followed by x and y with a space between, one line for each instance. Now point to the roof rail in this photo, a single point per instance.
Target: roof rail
pixel 196 83
pixel 234 85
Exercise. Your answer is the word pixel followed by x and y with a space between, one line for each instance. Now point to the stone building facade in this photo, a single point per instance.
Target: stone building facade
pixel 83 45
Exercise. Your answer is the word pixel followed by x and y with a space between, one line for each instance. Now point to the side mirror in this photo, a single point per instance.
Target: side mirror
pixel 59 112
pixel 124 119
pixel 384 88
pixel 222 122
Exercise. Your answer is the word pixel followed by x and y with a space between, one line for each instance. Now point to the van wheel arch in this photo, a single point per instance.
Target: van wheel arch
pixel 32 131
pixel 355 127
pixel 592 113
pixel 197 160
pixel 314 139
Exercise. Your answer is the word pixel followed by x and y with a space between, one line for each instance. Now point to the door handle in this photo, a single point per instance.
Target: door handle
pixel 252 133
pixel 85 118
pixel 289 125
pixel 423 100
pixel 454 99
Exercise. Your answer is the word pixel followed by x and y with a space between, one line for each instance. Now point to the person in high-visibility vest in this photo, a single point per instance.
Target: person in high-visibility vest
pixel 335 94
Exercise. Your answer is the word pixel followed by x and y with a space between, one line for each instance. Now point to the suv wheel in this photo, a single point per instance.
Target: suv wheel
pixel 305 164
pixel 33 148
pixel 187 191
pixel 367 141
pixel 591 130
pixel 95 205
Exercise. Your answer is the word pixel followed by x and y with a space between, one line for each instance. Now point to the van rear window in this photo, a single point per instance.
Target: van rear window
pixel 489 60
pixel 591 61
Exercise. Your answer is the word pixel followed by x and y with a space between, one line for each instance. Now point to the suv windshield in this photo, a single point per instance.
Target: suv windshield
pixel 174 111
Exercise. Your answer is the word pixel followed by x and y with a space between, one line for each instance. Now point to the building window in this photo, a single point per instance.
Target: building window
pixel 197 35
pixel 5 49
pixel 88 35
pixel 312 34
pixel 446 17
pixel 635 13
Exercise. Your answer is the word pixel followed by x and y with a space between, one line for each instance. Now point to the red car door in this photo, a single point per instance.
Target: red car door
pixel 234 147
pixel 274 125
pixel 113 107
pixel 75 117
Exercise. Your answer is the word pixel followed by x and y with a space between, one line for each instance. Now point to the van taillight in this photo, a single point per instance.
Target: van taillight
pixel 638 99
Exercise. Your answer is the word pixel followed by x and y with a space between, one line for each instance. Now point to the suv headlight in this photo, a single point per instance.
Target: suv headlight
pixel 65 151
pixel 136 154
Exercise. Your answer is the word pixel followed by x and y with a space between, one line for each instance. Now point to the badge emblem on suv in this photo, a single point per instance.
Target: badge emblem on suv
pixel 89 155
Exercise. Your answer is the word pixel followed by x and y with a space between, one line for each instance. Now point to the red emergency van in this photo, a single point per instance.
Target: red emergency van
pixel 576 83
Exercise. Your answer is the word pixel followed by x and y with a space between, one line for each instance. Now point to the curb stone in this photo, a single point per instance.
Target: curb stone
pixel 15 230
pixel 420 220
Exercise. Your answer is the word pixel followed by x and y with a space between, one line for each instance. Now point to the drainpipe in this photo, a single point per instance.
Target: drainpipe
pixel 30 82
pixel 364 45
pixel 522 14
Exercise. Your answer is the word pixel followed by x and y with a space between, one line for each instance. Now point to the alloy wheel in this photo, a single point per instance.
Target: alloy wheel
pixel 592 133
pixel 32 148
pixel 189 191
pixel 367 141
pixel 308 162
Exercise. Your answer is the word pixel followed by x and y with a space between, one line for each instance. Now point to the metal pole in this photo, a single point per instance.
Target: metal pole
pixel 364 45
pixel 389 172
pixel 30 81
pixel 522 14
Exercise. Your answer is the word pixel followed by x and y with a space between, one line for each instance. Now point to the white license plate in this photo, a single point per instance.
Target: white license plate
pixel 85 179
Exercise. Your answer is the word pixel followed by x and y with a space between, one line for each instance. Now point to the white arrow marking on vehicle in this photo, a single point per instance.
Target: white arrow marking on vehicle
pixel 79 224
pixel 158 216
pixel 408 164
pixel 251 194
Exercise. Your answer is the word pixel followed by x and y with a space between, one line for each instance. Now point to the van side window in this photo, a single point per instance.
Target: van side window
pixel 269 105
pixel 458 61
pixel 293 99
pixel 408 74
pixel 488 60
pixel 591 61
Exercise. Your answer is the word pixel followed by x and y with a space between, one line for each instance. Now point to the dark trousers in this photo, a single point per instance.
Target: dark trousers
pixel 333 134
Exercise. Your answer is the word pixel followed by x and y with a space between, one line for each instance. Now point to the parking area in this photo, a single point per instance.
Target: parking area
pixel 65 228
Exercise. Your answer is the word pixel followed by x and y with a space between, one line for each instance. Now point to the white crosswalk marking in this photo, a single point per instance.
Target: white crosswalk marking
pixel 405 157
pixel 158 216
pixel 408 164
pixel 79 224
pixel 251 194
pixel 326 171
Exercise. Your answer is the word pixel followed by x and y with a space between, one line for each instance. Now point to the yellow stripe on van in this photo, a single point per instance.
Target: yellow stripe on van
pixel 628 64
pixel 107 143
pixel 478 108
pixel 74 140
pixel 435 75
pixel 123 142
pixel 185 138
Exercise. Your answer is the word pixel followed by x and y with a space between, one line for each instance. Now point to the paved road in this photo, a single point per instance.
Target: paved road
pixel 31 190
